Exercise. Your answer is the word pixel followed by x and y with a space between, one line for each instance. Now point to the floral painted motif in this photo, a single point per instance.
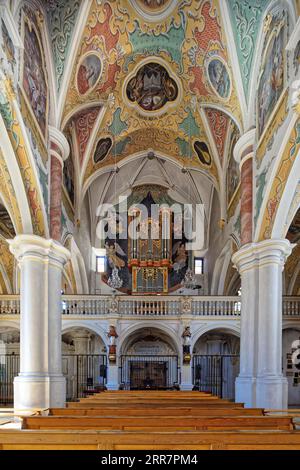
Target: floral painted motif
pixel 84 124
pixel 62 16
pixel 218 123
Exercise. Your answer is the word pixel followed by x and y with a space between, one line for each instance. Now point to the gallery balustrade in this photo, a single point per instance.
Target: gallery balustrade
pixel 158 306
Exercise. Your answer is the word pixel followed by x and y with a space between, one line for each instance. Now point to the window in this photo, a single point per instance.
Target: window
pixel 101 264
pixel 198 264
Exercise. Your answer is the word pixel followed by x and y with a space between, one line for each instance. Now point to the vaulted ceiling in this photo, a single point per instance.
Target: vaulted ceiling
pixel 161 75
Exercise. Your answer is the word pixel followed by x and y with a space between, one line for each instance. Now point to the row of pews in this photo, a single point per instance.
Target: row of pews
pixel 152 420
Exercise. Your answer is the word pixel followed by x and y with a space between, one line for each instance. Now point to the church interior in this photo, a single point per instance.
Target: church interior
pixel 149 224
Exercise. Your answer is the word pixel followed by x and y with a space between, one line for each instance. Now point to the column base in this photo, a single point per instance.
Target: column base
pixel 245 391
pixel 112 386
pixel 272 392
pixel 186 387
pixel 39 392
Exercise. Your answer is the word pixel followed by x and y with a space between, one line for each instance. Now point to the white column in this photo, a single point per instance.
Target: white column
pixel 261 382
pixel 186 377
pixel 40 383
pixel 112 377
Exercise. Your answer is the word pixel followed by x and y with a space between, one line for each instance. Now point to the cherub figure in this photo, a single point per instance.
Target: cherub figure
pixel 181 256
pixel 112 255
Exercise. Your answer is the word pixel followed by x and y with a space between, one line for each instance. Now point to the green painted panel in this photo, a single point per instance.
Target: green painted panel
pixel 246 17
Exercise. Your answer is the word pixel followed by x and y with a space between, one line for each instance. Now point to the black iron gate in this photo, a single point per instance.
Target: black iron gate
pixel 216 374
pixel 83 373
pixel 9 369
pixel 149 372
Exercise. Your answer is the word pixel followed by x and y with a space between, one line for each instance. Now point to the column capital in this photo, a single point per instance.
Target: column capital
pixel 58 143
pixel 273 251
pixel 244 147
pixel 39 248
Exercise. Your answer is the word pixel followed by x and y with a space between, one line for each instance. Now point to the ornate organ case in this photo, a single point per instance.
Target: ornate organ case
pixel 150 254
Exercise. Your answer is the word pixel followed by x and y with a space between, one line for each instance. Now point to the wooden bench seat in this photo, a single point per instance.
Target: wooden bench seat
pixel 168 404
pixel 153 393
pixel 175 423
pixel 175 411
pixel 124 440
pixel 146 421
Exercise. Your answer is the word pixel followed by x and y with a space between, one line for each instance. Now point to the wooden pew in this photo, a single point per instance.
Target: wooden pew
pixel 174 423
pixel 123 440
pixel 153 421
pixel 177 393
pixel 148 405
pixel 176 411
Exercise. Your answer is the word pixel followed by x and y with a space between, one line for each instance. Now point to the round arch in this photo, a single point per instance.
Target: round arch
pixel 280 200
pixel 93 327
pixel 135 157
pixel 232 329
pixel 289 202
pixel 14 325
pixel 169 332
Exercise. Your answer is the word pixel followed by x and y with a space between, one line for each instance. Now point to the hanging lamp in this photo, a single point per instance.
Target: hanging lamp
pixel 114 281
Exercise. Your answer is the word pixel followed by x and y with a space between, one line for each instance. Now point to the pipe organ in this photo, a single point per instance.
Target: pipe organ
pixel 150 252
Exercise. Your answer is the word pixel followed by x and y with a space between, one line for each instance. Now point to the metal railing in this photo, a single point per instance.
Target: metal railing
pixel 9 369
pixel 216 374
pixel 149 306
pixel 154 372
pixel 84 373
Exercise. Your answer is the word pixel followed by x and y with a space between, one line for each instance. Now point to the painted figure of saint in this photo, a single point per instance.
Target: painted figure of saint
pixel 88 73
pixel 219 78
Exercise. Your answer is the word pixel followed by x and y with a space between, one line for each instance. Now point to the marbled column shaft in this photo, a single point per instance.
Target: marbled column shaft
pixel 246 201
pixel 56 198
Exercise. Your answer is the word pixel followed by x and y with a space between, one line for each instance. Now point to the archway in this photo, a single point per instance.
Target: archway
pixel 149 360
pixel 216 362
pixel 83 361
pixel 9 362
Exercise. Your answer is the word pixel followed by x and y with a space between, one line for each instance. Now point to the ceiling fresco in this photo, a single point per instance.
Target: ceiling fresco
pixel 152 78
pixel 246 17
pixel 293 234
pixel 6 226
pixel 152 87
pixel 61 20
pixel 152 5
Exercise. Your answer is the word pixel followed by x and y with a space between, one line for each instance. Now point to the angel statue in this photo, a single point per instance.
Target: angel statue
pixel 180 256
pixel 112 252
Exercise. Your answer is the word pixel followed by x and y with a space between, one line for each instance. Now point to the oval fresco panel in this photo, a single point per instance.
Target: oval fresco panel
pixel 202 152
pixel 152 87
pixel 102 149
pixel 219 78
pixel 88 74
